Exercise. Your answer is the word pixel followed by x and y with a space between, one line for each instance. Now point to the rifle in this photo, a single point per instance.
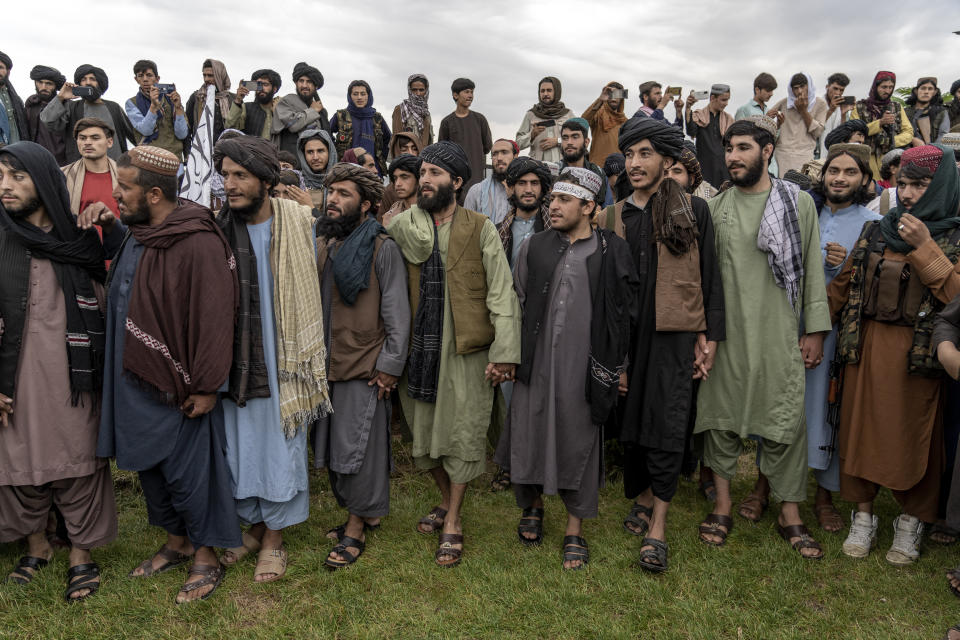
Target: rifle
pixel 834 396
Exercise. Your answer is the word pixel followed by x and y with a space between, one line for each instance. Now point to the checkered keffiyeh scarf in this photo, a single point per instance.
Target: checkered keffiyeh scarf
pixel 301 353
pixel 423 371
pixel 779 238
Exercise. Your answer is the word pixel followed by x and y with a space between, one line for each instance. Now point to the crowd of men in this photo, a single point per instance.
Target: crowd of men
pixel 207 291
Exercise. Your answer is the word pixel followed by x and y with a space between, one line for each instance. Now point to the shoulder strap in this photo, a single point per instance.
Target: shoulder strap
pixel 885 202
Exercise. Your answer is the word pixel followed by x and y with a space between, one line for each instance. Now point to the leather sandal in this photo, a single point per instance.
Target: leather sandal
pixel 635 519
pixel 446 548
pixel 711 526
pixel 341 550
pixel 212 574
pixel 336 533
pixel 20 576
pixel 752 507
pixel 805 541
pixel 654 559
pixel 234 555
pixel 434 520
pixel 954 574
pixel 173 559
pixel 86 578
pixel 271 561
pixel 531 521
pixel 827 514
pixel 575 548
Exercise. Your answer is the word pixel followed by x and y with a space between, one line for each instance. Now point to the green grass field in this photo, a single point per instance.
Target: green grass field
pixel 755 587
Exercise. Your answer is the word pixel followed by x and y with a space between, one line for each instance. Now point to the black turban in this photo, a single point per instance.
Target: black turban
pixel 313 74
pixel 253 153
pixel 367 182
pixel 665 138
pixel 449 156
pixel 5 59
pixel 844 130
pixel 522 165
pixel 41 72
pixel 954 87
pixel 404 162
pixel 98 73
pixel 614 164
pixel 270 75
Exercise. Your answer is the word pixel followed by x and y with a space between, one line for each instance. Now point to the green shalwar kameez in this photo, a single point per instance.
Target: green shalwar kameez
pixel 756 387
pixel 452 432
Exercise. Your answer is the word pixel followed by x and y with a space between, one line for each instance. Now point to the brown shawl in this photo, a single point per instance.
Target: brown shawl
pixel 702 119
pixel 181 318
pixel 607 118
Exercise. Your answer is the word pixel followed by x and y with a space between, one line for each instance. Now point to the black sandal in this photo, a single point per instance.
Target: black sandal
pixel 22 577
pixel 654 559
pixel 84 574
pixel 446 548
pixel 635 519
pixel 575 548
pixel 212 574
pixel 341 549
pixel 531 521
pixel 805 541
pixel 173 559
pixel 954 574
pixel 711 526
pixel 434 520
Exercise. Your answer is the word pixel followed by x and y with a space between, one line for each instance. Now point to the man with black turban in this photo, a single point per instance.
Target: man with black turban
pixel 670 234
pixel 277 385
pixel 366 315
pixel 60 115
pixel 540 129
pixel 528 183
pixel 47 82
pixel 255 118
pixel 301 110
pixel 13 127
pixel 851 131
pixel 466 335
pixel 51 368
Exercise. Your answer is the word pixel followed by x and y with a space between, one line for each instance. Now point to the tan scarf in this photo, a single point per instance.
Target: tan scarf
pixel 301 353
pixel 75 174
pixel 702 119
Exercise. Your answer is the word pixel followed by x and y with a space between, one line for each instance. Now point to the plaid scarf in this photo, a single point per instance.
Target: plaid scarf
pixel 301 353
pixel 423 372
pixel 248 373
pixel 779 237
pixel 77 259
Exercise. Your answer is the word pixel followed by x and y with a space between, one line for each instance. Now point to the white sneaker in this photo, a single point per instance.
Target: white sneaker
pixel 862 536
pixel 907 532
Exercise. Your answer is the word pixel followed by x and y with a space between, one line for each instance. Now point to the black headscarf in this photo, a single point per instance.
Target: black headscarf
pixel 102 81
pixel 405 162
pixel 666 139
pixel 77 258
pixel 844 130
pixel 41 72
pixel 253 153
pixel 522 165
pixel 450 157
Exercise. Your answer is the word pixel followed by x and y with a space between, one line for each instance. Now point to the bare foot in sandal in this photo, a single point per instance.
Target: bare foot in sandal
pixel 272 557
pixel 828 517
pixel 176 551
pixel 791 528
pixel 207 565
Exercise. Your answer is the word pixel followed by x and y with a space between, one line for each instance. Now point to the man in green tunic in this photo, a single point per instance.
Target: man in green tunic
pixel 466 335
pixel 768 244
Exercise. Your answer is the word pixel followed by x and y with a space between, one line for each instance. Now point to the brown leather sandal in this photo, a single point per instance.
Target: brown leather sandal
pixel 805 540
pixel 173 559
pixel 753 507
pixel 711 526
pixel 434 520
pixel 828 517
pixel 446 548
pixel 212 574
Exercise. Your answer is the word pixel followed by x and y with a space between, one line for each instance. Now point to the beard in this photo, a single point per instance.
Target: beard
pixel 29 207
pixel 341 226
pixel 517 204
pixel 499 176
pixel 843 196
pixel 139 214
pixel 308 97
pixel 264 98
pixel 45 96
pixel 436 203
pixel 754 173
pixel 249 212
pixel 575 156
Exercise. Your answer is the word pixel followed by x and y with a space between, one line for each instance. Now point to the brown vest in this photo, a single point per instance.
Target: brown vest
pixel 466 283
pixel 356 332
pixel 678 294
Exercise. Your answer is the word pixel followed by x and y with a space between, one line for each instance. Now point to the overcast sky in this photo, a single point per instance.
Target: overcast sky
pixel 505 46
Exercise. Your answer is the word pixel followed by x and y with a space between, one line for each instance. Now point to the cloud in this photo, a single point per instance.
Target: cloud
pixel 505 46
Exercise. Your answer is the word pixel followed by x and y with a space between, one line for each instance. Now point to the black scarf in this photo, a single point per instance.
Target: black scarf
pixel 77 258
pixel 351 261
pixel 248 373
pixel 423 371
